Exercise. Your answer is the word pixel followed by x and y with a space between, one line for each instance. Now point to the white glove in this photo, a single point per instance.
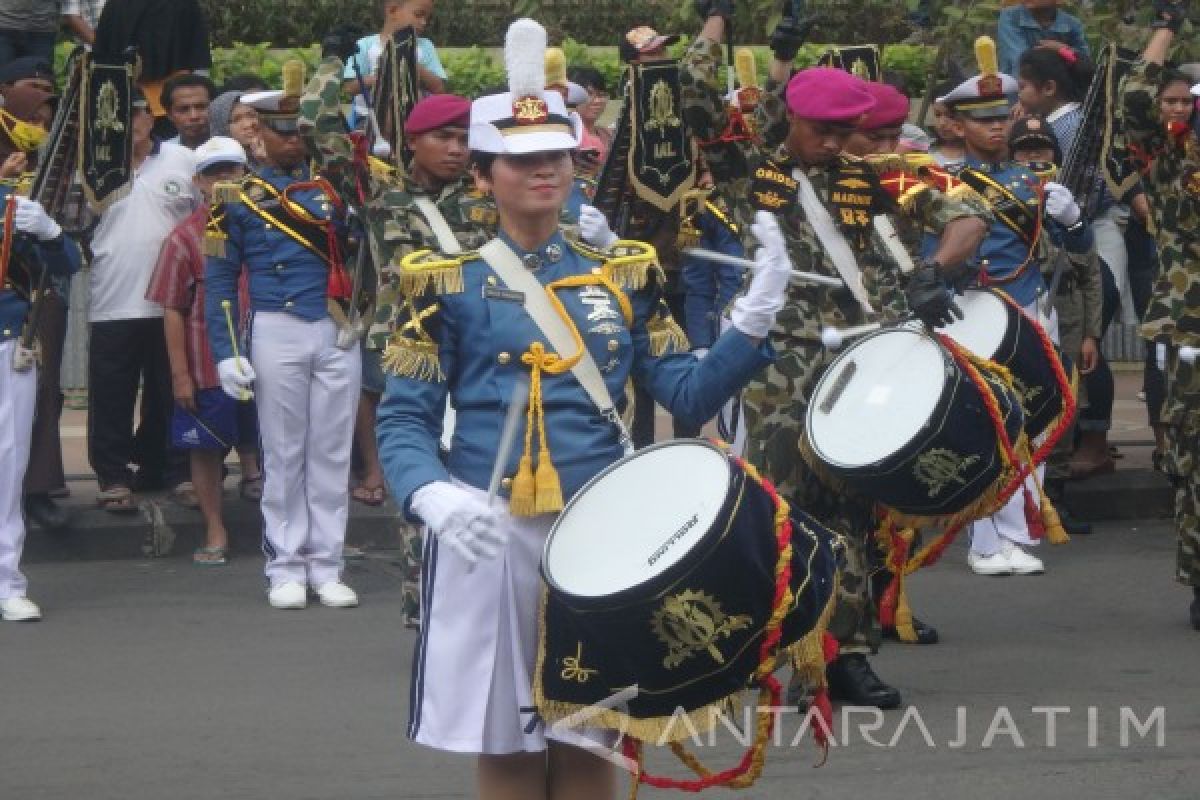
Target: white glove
pixel 593 227
pixel 31 218
pixel 236 377
pixel 700 353
pixel 460 519
pixel 1060 204
pixel 754 312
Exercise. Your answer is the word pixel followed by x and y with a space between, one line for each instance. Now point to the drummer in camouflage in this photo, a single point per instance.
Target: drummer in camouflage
pixel 824 203
pixel 1157 117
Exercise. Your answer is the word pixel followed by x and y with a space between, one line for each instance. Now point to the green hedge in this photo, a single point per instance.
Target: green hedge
pixel 476 68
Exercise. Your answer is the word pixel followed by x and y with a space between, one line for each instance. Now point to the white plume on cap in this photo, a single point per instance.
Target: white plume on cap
pixel 524 58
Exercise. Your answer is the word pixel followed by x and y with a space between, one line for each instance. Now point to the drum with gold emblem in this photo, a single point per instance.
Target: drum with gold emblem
pixel 674 574
pixel 903 420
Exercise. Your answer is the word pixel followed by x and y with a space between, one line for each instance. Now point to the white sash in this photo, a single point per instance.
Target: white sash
pixel 832 239
pixel 500 257
pixel 447 241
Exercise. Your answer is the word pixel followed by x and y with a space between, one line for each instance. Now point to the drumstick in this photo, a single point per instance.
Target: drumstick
pixel 834 337
pixel 246 394
pixel 508 434
pixel 745 263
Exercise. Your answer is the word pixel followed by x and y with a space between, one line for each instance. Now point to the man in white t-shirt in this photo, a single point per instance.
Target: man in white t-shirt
pixel 127 345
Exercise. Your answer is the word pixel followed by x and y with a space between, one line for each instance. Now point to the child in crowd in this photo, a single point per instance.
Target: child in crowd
pixel 207 422
pixel 397 15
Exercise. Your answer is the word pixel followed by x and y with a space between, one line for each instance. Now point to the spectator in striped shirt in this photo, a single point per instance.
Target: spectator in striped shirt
pixel 206 422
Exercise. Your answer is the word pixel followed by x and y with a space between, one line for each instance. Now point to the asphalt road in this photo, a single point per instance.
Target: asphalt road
pixel 155 679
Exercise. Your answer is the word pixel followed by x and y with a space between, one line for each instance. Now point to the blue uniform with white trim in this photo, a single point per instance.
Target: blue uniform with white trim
pixel 60 256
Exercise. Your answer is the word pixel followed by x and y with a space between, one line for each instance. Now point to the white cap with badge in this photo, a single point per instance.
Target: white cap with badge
pixel 219 150
pixel 526 118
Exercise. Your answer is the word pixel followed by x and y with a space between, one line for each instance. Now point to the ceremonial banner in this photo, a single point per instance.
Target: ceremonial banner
pixel 860 60
pixel 397 90
pixel 106 131
pixel 662 158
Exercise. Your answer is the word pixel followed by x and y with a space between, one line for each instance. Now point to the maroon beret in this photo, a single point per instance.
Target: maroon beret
pixel 828 95
pixel 438 111
pixel 891 107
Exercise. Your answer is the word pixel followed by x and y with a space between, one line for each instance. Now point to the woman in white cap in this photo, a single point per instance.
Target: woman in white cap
pixel 466 330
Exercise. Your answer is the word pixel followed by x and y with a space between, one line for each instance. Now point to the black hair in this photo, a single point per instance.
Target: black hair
pixel 587 77
pixel 245 82
pixel 482 162
pixel 1173 75
pixel 187 80
pixel 1040 65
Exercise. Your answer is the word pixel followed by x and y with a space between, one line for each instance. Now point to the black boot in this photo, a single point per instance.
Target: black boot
pixel 1056 492
pixel 852 681
pixel 49 515
pixel 1195 610
pixel 926 634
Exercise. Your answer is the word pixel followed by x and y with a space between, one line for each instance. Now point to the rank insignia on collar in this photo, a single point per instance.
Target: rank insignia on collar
pixel 554 253
pixel 530 110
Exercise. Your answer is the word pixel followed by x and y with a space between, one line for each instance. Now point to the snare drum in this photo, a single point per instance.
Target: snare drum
pixel 897 420
pixel 660 574
pixel 998 330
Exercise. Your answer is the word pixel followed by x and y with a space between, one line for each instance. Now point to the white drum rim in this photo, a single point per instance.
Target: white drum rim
pixel 579 496
pixel 833 372
pixel 985 340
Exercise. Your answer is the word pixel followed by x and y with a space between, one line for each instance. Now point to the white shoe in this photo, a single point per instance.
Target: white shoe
pixel 19 609
pixel 1022 563
pixel 995 564
pixel 336 594
pixel 288 595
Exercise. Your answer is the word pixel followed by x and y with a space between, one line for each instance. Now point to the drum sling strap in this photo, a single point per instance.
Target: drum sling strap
pixel 447 241
pixel 509 268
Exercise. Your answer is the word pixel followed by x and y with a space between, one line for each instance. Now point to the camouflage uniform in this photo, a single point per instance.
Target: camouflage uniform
pixel 395 229
pixel 776 403
pixel 1172 181
pixel 395 226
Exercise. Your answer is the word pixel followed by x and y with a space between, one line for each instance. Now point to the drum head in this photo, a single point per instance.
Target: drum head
pixel 636 519
pixel 876 397
pixel 984 323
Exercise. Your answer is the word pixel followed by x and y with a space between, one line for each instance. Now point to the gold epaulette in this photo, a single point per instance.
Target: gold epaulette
pixel 423 270
pixel 412 358
pixel 631 264
pixel 665 334
pixel 215 236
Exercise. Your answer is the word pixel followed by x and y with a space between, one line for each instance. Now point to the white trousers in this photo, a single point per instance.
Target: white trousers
pixel 307 394
pixel 17 393
pixel 1009 522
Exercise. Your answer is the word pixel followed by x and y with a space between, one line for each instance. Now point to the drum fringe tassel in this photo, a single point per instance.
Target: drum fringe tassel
pixel 895 533
pixel 809 655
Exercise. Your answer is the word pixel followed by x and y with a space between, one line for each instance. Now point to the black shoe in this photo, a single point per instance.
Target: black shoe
pixel 48 514
pixel 851 680
pixel 926 634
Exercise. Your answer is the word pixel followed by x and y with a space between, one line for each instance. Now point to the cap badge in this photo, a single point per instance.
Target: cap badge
pixel 530 111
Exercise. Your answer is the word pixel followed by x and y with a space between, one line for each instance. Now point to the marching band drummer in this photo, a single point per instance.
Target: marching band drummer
pixel 1010 260
pixel 824 201
pixel 283 228
pixel 32 241
pixel 470 328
